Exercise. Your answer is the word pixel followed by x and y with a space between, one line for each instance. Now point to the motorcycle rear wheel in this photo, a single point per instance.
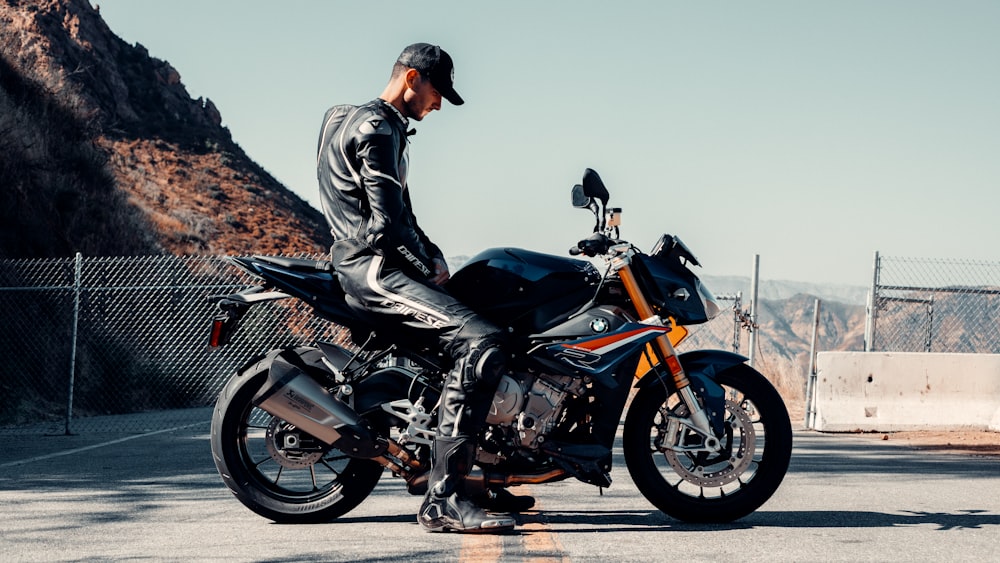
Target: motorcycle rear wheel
pixel 269 480
pixel 702 487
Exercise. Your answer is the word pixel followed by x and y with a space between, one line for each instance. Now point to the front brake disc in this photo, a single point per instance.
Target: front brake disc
pixel 717 471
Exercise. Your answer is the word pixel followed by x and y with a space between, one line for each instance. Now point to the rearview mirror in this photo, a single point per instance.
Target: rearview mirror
pixel 593 186
pixel 580 199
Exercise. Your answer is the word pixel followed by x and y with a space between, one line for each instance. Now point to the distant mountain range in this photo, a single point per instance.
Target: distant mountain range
pixel 780 289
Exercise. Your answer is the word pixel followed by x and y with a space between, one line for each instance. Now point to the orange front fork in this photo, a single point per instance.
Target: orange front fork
pixel 645 311
pixel 699 418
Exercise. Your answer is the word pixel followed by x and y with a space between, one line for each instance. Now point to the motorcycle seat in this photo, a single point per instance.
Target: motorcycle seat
pixel 297 264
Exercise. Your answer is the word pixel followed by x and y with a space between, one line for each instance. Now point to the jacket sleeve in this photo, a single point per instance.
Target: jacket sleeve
pixel 392 227
pixel 432 250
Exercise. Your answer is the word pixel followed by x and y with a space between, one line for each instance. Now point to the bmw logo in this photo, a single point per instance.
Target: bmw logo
pixel 599 325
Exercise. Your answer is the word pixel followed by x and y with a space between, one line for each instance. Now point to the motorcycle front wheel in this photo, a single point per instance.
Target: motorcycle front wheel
pixel 704 487
pixel 278 471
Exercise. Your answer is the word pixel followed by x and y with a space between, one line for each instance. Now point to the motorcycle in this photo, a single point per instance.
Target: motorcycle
pixel 304 434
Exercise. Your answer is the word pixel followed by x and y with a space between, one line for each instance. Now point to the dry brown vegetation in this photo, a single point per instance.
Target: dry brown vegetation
pixel 210 204
pixel 102 151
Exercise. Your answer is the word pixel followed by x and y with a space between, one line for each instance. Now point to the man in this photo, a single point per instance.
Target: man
pixel 391 269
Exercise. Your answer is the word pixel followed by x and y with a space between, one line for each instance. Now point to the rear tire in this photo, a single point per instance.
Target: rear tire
pixel 710 488
pixel 276 484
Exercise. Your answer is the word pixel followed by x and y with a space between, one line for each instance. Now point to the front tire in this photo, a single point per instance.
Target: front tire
pixel 703 487
pixel 287 486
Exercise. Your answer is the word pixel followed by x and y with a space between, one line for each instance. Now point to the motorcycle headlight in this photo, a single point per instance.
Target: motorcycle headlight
pixel 712 308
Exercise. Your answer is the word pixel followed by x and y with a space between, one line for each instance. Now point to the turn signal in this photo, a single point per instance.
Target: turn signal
pixel 215 339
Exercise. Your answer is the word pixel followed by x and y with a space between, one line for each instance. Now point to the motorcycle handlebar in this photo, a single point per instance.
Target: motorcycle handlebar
pixel 595 244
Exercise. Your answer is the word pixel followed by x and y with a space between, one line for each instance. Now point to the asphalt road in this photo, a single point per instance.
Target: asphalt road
pixel 157 497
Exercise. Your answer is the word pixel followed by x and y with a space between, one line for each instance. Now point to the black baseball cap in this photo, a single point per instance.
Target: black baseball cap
pixel 436 64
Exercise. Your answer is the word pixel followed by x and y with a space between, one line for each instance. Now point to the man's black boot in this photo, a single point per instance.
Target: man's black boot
pixel 446 507
pixel 502 500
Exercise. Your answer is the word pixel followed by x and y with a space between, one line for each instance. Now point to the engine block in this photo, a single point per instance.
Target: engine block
pixel 532 405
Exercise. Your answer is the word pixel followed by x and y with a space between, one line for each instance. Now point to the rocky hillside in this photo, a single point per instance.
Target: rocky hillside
pixel 102 151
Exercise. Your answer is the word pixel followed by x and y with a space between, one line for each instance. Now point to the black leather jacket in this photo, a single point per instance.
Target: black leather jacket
pixel 361 167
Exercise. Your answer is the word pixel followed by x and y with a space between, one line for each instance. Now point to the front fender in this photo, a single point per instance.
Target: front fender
pixel 701 366
pixel 699 363
pixel 710 362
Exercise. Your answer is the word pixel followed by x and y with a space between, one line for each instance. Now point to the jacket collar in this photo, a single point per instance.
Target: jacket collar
pixel 402 119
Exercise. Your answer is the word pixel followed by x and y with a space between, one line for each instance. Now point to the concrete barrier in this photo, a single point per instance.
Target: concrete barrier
pixel 895 391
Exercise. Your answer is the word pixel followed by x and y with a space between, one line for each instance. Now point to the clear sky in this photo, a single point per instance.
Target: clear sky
pixel 810 133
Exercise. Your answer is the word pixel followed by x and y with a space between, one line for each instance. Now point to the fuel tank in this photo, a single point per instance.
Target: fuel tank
pixel 527 291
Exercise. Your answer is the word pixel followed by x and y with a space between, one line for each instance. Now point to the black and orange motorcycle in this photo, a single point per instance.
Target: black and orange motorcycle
pixel 304 434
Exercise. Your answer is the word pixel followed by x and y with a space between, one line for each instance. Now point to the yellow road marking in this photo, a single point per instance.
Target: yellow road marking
pixel 541 545
pixel 481 548
pixel 535 540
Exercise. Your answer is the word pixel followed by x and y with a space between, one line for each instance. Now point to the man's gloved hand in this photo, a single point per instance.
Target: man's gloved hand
pixel 441 273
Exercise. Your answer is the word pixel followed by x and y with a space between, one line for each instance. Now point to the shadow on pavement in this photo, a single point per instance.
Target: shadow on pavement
pixel 836 454
pixel 633 521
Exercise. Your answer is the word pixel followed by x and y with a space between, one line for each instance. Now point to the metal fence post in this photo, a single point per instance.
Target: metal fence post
pixel 872 312
pixel 737 312
pixel 811 375
pixel 753 308
pixel 930 323
pixel 72 352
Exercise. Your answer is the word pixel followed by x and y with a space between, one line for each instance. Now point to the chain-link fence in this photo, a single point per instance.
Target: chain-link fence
pixel 934 305
pixel 121 344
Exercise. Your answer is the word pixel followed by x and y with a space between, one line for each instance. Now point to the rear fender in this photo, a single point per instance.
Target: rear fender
pixel 383 386
pixel 701 367
pixel 231 308
pixel 386 385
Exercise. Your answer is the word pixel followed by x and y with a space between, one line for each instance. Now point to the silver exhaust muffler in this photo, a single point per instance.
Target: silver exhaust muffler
pixel 294 396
